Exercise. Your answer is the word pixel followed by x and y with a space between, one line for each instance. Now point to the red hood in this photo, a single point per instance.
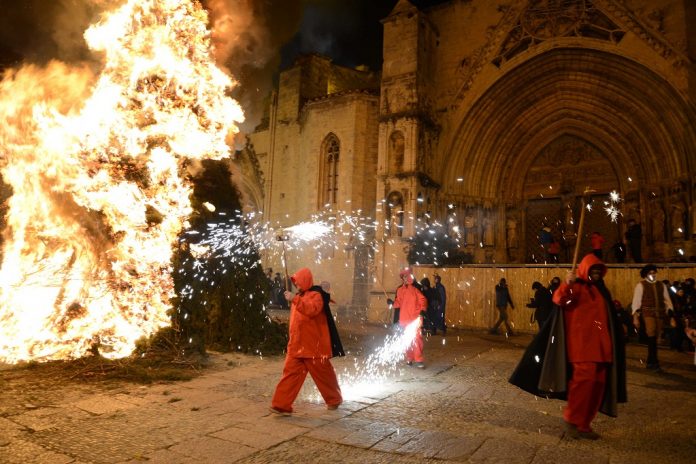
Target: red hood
pixel 587 262
pixel 407 273
pixel 303 279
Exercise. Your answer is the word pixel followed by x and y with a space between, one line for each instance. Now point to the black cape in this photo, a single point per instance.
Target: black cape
pixel 544 370
pixel 336 345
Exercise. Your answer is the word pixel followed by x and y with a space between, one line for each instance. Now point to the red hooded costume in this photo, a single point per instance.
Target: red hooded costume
pixel 411 302
pixel 588 343
pixel 309 348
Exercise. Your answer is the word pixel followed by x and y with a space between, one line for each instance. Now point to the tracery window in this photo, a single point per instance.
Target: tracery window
pixel 331 150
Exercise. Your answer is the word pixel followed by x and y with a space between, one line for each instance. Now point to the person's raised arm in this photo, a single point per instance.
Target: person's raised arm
pixel 309 304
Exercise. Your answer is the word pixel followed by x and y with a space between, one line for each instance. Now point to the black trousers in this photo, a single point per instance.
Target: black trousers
pixel 652 352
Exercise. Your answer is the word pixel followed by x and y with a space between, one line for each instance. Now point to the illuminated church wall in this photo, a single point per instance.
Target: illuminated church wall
pixel 499 116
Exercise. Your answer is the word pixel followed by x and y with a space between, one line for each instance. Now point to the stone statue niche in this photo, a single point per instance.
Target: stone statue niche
pixel 488 225
pixel 677 222
pixel 657 222
pixel 511 224
pixel 395 214
pixel 470 224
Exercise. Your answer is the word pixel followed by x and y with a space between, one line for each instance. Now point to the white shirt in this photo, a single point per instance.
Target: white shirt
pixel 638 296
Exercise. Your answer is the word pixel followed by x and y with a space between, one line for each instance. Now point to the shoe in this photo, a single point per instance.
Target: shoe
pixel 279 412
pixel 419 365
pixel 571 431
pixel 332 407
pixel 511 334
pixel 589 435
pixel 409 363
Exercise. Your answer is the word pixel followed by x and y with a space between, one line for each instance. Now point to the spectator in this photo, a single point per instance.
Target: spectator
pixel 554 251
pixel 545 239
pixel 597 240
pixel 433 299
pixel 650 303
pixel 440 321
pixel 502 299
pixel 634 237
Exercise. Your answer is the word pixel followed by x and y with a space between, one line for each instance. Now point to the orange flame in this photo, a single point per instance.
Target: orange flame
pixel 96 164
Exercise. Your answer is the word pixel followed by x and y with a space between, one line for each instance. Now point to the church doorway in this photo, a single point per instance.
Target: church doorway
pixel 553 190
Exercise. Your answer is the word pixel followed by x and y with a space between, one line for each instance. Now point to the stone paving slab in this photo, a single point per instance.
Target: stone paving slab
pixel 210 450
pixel 459 409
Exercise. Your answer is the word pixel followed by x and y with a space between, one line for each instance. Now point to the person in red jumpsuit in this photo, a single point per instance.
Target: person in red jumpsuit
pixel 411 303
pixel 588 343
pixel 309 348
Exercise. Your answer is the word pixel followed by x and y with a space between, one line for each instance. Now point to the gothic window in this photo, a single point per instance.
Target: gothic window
pixel 329 171
pixel 396 152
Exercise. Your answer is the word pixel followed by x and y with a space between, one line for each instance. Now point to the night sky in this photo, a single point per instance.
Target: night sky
pixel 348 31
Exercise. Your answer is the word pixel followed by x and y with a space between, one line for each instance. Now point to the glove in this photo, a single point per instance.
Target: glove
pixel 422 313
pixel 390 302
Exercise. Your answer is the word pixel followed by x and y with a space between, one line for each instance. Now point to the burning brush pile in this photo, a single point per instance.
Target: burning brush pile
pixel 97 164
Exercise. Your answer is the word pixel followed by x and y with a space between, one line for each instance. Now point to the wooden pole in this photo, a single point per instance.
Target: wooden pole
pixel 282 239
pixel 580 226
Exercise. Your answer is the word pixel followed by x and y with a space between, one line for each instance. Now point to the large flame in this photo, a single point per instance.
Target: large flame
pixel 97 167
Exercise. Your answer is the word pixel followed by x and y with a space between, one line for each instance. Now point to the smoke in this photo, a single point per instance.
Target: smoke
pixel 253 39
pixel 248 36
pixel 38 31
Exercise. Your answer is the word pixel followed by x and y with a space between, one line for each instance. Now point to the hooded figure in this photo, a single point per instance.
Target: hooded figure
pixel 309 348
pixel 411 303
pixel 579 354
pixel 541 303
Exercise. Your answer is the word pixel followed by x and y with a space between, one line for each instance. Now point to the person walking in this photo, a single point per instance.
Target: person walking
pixel 541 303
pixel 502 299
pixel 651 302
pixel 591 343
pixel 309 348
pixel 411 305
pixel 440 321
pixel 579 354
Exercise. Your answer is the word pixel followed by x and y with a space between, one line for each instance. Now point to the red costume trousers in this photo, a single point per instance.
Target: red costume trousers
pixel 585 394
pixel 414 352
pixel 294 374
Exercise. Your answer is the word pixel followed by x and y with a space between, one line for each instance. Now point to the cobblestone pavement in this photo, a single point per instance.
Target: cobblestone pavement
pixel 459 409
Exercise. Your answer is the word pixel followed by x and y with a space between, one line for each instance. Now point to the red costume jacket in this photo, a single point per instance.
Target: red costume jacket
pixel 309 331
pixel 588 337
pixel 411 302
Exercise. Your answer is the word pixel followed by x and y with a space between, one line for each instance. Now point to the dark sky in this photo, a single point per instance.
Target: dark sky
pixel 348 31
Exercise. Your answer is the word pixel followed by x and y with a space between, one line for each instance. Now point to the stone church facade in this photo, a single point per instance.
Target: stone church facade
pixel 491 118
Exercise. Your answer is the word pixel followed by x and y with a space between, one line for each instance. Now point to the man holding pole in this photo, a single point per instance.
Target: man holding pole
pixel 593 350
pixel 585 337
pixel 309 348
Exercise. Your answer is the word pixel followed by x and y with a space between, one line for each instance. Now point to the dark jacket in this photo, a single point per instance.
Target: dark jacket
pixel 541 303
pixel 502 296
